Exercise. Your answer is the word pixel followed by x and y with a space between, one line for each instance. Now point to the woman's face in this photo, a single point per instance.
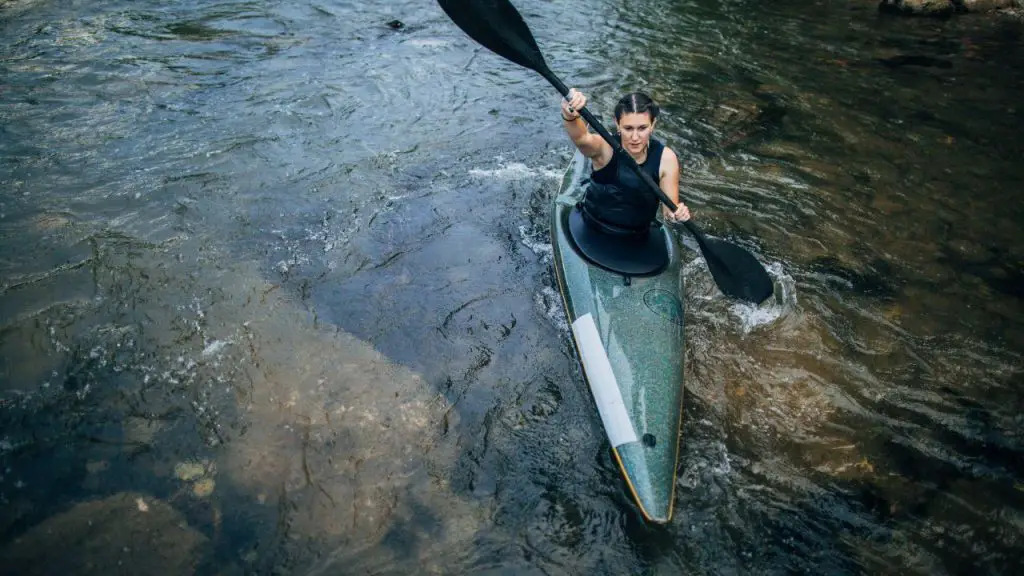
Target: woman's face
pixel 635 129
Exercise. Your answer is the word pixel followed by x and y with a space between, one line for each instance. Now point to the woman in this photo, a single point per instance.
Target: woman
pixel 618 198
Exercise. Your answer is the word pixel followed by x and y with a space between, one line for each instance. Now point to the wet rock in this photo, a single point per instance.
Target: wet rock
pixel 111 536
pixel 986 5
pixel 917 7
pixel 943 7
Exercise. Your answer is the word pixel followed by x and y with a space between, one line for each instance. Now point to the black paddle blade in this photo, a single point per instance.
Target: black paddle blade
pixel 497 25
pixel 736 271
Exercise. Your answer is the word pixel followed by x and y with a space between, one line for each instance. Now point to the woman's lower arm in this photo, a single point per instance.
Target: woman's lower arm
pixel 576 129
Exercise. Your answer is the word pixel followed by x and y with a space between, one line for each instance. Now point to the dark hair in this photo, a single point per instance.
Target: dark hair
pixel 636 103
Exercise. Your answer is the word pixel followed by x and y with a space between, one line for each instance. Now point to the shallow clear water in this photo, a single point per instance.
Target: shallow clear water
pixel 285 269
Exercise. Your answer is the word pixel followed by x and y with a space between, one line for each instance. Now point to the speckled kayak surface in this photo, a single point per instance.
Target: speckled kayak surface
pixel 629 337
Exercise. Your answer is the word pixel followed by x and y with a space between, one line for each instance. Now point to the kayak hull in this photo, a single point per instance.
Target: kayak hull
pixel 628 333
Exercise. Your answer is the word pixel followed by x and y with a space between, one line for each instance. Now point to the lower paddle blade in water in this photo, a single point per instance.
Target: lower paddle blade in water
pixel 737 272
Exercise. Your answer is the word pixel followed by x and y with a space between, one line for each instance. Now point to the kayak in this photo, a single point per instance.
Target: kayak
pixel 628 334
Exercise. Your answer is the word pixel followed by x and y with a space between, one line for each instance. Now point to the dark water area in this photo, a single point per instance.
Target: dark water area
pixel 276 291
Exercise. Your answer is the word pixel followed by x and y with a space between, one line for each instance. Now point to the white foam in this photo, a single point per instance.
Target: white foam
pixel 214 347
pixel 428 43
pixel 550 302
pixel 538 247
pixel 515 171
pixel 752 316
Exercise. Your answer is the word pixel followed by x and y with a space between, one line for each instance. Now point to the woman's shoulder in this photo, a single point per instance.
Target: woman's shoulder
pixel 666 152
pixel 669 160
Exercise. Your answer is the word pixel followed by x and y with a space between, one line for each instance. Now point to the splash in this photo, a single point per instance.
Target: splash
pixel 536 241
pixel 516 171
pixel 550 303
pixel 753 316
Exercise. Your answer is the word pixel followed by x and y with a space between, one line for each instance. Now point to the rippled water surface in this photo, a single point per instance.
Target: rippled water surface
pixel 276 291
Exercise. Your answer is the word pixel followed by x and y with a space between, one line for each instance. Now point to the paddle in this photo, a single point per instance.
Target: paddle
pixel 497 25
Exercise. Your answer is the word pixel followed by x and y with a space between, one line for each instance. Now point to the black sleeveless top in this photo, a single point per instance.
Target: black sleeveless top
pixel 617 197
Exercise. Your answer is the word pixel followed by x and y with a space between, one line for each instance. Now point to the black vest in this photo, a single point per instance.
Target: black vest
pixel 618 198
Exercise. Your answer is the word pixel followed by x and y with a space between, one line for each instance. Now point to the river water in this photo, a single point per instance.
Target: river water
pixel 280 270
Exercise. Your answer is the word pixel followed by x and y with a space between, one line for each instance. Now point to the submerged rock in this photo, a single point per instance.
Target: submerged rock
pixel 191 470
pixel 124 534
pixel 203 488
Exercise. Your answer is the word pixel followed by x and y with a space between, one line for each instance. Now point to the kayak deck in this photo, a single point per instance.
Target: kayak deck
pixel 628 333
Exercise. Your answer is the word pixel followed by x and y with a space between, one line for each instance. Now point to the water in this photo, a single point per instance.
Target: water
pixel 280 272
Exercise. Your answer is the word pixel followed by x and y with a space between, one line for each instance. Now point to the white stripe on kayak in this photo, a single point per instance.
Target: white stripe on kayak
pixel 602 382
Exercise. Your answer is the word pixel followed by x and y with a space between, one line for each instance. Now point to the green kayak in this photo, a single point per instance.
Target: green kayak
pixel 628 332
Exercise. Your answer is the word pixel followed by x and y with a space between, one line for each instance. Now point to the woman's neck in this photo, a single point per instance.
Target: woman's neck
pixel 642 156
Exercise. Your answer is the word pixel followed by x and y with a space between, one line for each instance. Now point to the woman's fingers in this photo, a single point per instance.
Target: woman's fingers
pixel 576 101
pixel 682 214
